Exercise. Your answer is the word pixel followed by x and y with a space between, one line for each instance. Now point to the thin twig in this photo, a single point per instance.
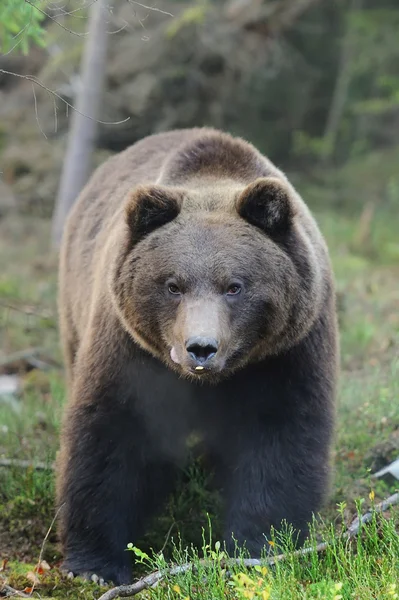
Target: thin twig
pixel 124 591
pixel 44 542
pixel 25 464
pixel 45 14
pixel 153 8
pixel 55 113
pixel 44 87
pixel 167 537
pixel 121 28
pixel 36 112
pixel 69 13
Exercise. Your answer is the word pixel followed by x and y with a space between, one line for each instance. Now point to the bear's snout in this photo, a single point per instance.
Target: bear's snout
pixel 201 335
pixel 201 350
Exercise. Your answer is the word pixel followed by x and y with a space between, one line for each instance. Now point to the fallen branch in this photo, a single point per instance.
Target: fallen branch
pixel 25 464
pixel 355 526
pixel 12 592
pixel 124 591
pixel 29 355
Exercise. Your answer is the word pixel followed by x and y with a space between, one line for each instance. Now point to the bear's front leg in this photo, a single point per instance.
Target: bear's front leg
pixel 280 472
pixel 110 481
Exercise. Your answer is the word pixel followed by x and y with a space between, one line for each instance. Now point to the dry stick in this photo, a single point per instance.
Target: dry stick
pixel 12 592
pixel 124 591
pixel 21 355
pixel 69 13
pixel 37 113
pixel 66 103
pixel 354 528
pixel 163 12
pixel 44 542
pixel 167 537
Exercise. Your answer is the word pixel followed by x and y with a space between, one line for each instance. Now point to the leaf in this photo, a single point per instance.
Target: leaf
pixel 33 578
pixel 139 553
pixel 4 564
pixel 42 567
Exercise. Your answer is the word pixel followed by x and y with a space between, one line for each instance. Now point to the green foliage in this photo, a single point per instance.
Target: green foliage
pixel 364 567
pixel 360 76
pixel 375 89
pixel 305 145
pixel 21 25
pixel 375 33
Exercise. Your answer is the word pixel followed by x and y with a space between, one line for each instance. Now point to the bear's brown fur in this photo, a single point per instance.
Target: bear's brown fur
pixel 195 294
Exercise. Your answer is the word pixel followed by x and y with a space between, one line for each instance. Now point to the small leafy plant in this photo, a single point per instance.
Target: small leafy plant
pixel 21 25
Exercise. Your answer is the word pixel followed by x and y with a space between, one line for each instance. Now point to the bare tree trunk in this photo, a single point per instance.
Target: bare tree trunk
pixel 342 84
pixel 83 131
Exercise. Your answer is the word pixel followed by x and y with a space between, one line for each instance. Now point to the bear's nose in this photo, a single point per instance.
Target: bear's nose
pixel 201 349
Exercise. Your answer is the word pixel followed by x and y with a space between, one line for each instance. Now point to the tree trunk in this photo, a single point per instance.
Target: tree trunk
pixel 342 83
pixel 83 130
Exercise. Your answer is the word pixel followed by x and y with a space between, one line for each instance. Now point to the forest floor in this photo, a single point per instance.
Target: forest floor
pixel 357 210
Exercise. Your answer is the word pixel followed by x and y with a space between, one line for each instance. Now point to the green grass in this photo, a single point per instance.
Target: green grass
pixel 365 256
pixel 363 568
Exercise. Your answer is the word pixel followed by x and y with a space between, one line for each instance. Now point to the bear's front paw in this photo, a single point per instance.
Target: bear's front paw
pixel 107 574
pixel 87 576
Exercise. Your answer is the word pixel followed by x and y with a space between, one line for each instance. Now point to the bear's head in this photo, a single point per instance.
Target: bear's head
pixel 211 279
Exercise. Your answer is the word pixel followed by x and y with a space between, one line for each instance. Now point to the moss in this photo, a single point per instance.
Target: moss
pixel 51 584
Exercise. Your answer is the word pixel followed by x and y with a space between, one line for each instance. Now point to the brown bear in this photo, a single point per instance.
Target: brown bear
pixel 196 295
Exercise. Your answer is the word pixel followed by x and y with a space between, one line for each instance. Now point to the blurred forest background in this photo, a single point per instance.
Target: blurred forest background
pixel 314 84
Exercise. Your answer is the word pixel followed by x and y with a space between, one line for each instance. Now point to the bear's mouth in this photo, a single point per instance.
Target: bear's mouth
pixel 199 370
pixel 194 369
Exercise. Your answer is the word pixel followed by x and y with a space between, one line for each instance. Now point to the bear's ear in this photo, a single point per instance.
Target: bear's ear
pixel 266 203
pixel 150 207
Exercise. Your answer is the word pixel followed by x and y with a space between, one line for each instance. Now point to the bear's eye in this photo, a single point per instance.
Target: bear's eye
pixel 234 289
pixel 173 289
